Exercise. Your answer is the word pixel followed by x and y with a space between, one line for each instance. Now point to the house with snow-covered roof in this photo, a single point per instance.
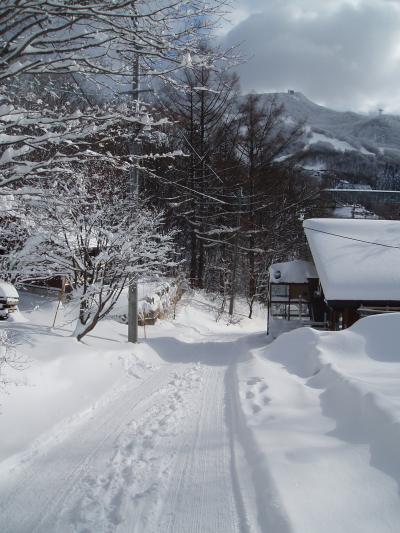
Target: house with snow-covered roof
pixel 358 266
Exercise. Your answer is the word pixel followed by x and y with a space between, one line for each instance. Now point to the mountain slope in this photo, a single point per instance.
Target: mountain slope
pixel 346 143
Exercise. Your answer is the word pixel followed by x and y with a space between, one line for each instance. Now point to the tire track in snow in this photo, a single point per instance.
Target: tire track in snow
pixel 148 516
pixel 126 495
pixel 257 496
pixel 231 421
pixel 175 483
pixel 35 493
pixel 200 498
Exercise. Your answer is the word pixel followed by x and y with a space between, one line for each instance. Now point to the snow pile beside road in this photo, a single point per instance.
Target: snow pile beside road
pixel 324 411
pixel 63 381
pixel 62 378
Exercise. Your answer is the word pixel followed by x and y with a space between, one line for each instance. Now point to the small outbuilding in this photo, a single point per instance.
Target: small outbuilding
pixel 358 266
pixel 291 288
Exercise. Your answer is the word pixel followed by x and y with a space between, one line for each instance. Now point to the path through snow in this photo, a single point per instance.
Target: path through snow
pixel 155 455
pixel 209 431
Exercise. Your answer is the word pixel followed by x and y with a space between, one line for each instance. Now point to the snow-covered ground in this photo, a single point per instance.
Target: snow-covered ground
pixel 340 146
pixel 323 409
pixel 202 427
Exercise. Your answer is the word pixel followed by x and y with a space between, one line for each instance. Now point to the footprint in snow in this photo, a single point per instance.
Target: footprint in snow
pixel 257 395
pixel 253 381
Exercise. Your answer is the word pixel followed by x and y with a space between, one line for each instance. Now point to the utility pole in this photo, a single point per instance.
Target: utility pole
pixel 134 150
pixel 235 256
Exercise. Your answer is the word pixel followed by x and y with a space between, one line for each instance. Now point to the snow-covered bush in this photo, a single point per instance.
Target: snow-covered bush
pixel 97 238
pixel 157 298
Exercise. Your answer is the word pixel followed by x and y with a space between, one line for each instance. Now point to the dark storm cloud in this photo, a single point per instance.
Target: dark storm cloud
pixel 342 53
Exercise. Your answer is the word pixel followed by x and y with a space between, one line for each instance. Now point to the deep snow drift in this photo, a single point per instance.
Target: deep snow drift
pixel 324 410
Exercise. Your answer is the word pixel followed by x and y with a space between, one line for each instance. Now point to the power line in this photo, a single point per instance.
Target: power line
pixel 379 191
pixel 180 186
pixel 353 238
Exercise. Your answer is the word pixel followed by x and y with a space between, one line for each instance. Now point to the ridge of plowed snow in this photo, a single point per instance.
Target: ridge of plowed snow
pixel 324 410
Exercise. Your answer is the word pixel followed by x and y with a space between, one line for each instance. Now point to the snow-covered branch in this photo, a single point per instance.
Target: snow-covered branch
pixel 95 238
pixel 52 49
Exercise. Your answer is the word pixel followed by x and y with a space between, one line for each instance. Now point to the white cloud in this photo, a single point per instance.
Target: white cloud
pixel 344 53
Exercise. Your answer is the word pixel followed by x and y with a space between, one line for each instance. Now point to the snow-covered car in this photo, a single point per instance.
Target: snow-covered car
pixel 9 299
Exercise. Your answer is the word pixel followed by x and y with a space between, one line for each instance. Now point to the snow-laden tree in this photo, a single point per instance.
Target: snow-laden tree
pixel 88 231
pixel 198 186
pixel 93 37
pixel 97 45
pixel 275 192
pixel 14 229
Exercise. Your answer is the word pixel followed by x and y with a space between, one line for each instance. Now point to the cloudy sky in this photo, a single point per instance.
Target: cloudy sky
pixel 341 53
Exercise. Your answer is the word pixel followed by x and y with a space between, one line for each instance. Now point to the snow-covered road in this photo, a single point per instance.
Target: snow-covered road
pixel 203 427
pixel 155 455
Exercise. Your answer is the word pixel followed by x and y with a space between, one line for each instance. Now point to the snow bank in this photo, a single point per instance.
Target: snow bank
pixel 324 410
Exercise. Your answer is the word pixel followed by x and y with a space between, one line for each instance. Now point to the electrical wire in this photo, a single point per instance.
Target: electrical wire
pixel 352 238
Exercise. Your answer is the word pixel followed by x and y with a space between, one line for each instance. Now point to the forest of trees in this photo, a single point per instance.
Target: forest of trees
pixel 238 205
pixel 216 199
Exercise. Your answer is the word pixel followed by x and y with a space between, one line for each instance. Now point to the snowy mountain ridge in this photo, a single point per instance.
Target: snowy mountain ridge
pixel 341 141
pixel 375 130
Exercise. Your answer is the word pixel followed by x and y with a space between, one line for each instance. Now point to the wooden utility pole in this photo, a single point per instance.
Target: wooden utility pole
pixel 134 150
pixel 235 256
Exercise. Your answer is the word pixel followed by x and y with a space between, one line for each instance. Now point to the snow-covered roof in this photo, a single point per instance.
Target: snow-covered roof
pixel 296 271
pixel 356 259
pixel 7 290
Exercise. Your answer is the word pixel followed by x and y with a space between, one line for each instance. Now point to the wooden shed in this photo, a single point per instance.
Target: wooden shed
pixel 291 289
